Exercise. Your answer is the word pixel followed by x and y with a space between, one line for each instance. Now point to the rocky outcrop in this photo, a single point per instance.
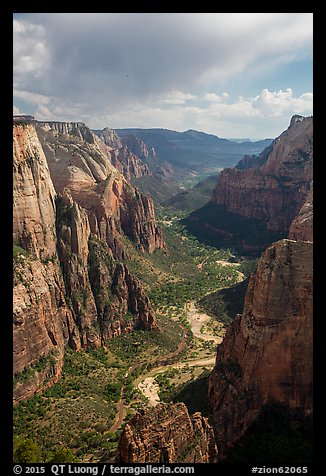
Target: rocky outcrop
pixel 122 158
pixel 42 322
pixel 33 194
pixel 167 434
pixel 302 226
pixel 68 287
pixel 275 190
pixel 115 208
pixel 266 354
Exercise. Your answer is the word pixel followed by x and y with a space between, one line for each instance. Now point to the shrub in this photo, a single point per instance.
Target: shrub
pixel 27 451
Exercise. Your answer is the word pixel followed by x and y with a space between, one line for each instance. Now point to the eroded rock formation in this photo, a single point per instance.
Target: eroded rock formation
pixel 43 323
pixel 274 186
pixel 78 160
pixel 167 434
pixel 266 354
pixel 125 160
pixel 69 289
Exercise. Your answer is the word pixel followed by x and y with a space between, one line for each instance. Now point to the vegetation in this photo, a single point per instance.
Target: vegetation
pixel 72 420
pixel 247 235
pixel 63 212
pixel 194 198
pixel 39 365
pixel 225 304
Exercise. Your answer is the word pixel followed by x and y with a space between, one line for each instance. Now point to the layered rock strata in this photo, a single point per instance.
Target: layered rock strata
pixel 167 434
pixel 42 321
pixel 266 354
pixel 79 160
pixel 274 186
pixel 127 162
pixel 68 287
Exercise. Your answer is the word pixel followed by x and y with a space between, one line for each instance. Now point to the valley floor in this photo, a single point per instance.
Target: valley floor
pixel 99 391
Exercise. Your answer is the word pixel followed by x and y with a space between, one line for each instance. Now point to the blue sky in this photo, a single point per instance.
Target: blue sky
pixel 229 74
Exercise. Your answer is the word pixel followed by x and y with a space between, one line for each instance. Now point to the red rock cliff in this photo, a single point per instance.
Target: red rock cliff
pixel 266 353
pixel 43 323
pixel 115 208
pixel 68 287
pixel 123 159
pixel 167 434
pixel 275 190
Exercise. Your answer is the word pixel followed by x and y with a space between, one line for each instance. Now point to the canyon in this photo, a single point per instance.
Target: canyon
pixel 87 242
pixel 254 203
pixel 69 287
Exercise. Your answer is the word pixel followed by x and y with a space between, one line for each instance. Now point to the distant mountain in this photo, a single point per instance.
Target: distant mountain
pixel 193 153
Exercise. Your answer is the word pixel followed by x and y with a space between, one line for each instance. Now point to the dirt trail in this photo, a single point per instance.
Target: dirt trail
pixel 196 319
pixel 150 389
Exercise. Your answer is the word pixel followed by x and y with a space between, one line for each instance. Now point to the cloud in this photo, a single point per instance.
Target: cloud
pixel 16 111
pixel 89 66
pixel 30 52
pixel 176 97
pixel 282 103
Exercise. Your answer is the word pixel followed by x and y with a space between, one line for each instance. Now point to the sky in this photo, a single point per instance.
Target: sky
pixel 235 75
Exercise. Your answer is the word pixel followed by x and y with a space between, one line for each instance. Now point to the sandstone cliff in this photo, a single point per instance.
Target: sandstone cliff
pixel 125 160
pixel 167 434
pixel 43 323
pixel 33 194
pixel 273 187
pixel 302 226
pixel 68 287
pixel 115 208
pixel 266 354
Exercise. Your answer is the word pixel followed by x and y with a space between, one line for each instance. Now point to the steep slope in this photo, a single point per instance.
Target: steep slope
pixel 139 165
pixel 43 323
pixel 275 191
pixel 69 288
pixel 193 198
pixel 167 434
pixel 266 354
pixel 123 159
pixel 265 195
pixel 78 160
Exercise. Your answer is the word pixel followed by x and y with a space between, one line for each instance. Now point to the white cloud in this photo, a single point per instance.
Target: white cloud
pixel 282 103
pixel 30 97
pixel 176 97
pixel 16 111
pixel 265 115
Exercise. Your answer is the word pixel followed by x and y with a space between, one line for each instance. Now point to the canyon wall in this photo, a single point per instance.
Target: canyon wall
pixel 274 186
pixel 167 434
pixel 124 159
pixel 69 288
pixel 266 354
pixel 42 322
pixel 78 160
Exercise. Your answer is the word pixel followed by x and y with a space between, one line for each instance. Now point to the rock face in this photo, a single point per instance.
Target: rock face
pixel 127 161
pixel 43 323
pixel 69 288
pixel 274 186
pixel 79 160
pixel 167 434
pixel 302 226
pixel 33 194
pixel 266 354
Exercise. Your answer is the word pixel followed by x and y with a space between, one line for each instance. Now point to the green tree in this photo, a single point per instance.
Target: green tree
pixel 63 455
pixel 27 451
